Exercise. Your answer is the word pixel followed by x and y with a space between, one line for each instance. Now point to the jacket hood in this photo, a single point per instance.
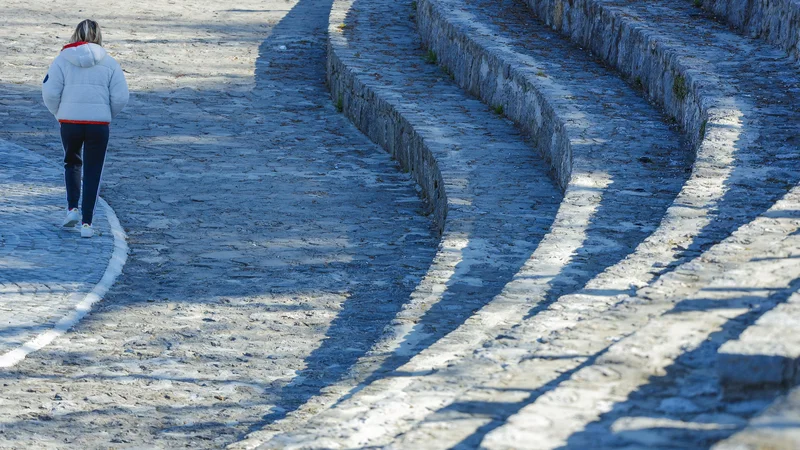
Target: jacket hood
pixel 83 54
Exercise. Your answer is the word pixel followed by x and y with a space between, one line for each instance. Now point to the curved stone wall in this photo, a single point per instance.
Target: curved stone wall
pixel 777 21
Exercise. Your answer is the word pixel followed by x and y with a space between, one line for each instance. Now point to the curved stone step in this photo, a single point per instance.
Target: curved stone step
pixel 777 427
pixel 562 405
pixel 762 84
pixel 491 193
pixel 737 93
pixel 580 115
pixel 647 376
pixel 733 95
pixel 645 364
pixel 544 83
pixel 375 419
pixel 473 50
pixel 776 21
pixel 767 354
pixel 586 223
pixel 471 409
pixel 641 374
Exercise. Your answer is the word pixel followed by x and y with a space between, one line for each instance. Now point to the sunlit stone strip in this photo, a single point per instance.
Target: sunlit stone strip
pixel 683 221
pixel 533 281
pixel 777 427
pixel 755 259
pixel 373 415
pixel 382 409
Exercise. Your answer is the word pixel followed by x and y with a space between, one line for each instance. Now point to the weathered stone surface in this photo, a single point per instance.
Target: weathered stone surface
pixel 328 237
pixel 777 427
pixel 696 83
pixel 317 309
pixel 563 347
pixel 46 270
pixel 657 356
pixel 580 115
pixel 497 198
pixel 767 353
pixel 751 96
pixel 777 21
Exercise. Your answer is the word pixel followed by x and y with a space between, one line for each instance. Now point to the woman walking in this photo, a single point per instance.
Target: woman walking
pixel 85 89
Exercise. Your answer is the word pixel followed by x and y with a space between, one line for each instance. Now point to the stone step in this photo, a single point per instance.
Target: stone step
pixel 776 21
pixel 645 365
pixel 453 29
pixel 700 71
pixel 491 193
pixel 647 149
pixel 480 404
pixel 767 353
pixel 563 372
pixel 580 114
pixel 729 158
pixel 544 83
pixel 777 427
pixel 735 96
pixel 644 373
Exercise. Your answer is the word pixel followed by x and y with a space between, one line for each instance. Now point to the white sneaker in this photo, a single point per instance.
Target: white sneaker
pixel 73 217
pixel 86 231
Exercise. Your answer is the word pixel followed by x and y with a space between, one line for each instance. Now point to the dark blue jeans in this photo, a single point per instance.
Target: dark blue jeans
pixel 94 141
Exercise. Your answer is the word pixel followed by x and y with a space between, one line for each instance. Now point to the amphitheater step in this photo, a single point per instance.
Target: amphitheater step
pixel 776 21
pixel 644 373
pixel 745 161
pixel 640 375
pixel 491 192
pixel 582 117
pixel 778 427
pixel 648 150
pixel 736 96
pixel 767 353
pixel 731 164
pixel 750 161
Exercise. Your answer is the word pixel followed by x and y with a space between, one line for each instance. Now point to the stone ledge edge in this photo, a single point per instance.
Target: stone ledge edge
pixel 775 21
pixel 379 120
pixel 523 101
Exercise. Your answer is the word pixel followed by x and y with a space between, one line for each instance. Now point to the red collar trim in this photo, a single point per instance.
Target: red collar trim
pixel 84 122
pixel 74 44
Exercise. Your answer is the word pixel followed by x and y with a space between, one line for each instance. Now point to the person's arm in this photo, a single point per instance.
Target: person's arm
pixel 52 87
pixel 118 91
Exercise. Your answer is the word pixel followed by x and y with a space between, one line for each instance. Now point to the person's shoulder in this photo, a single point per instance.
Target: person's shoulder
pixel 59 58
pixel 110 61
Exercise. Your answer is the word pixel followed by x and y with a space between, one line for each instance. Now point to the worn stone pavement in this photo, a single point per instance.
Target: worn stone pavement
pixel 46 270
pixel 271 243
pixel 581 371
pixel 262 225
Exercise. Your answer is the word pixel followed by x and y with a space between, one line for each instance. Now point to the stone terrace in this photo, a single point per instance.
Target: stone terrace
pixel 459 400
pixel 613 185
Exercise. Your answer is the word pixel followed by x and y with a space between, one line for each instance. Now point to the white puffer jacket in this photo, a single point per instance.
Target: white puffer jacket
pixel 85 85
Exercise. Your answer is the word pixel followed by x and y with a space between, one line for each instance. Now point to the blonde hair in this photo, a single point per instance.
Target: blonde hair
pixel 87 31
